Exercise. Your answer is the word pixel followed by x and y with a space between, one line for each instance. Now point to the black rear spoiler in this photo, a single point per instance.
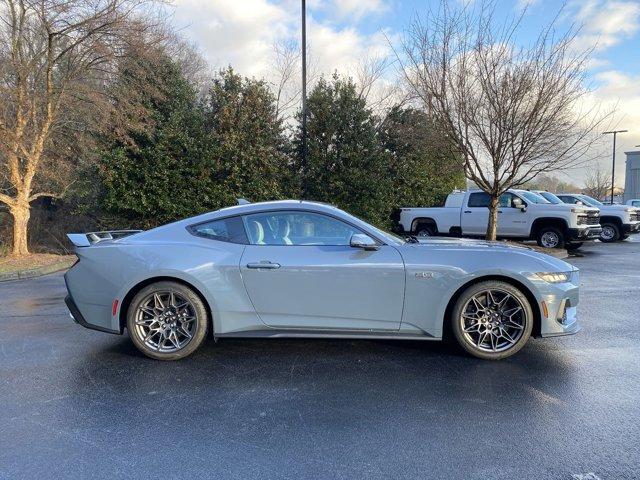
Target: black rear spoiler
pixel 91 238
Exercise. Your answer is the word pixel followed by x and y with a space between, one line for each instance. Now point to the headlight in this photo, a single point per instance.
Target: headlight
pixel 555 277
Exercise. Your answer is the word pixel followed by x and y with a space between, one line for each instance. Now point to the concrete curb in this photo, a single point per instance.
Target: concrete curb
pixel 37 272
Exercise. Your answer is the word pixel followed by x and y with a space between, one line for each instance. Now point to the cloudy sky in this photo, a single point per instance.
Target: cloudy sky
pixel 341 33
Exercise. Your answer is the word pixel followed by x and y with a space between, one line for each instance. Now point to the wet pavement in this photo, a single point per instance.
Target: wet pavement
pixel 84 404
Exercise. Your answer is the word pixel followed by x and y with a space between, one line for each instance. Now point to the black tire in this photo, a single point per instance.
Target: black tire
pixel 545 236
pixel 623 237
pixel 425 230
pixel 573 246
pixel 610 233
pixel 196 310
pixel 464 339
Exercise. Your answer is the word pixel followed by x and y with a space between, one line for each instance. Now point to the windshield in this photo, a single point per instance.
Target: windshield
pixel 534 197
pixel 550 197
pixel 589 201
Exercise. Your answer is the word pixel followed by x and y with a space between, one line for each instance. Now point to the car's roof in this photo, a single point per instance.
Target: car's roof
pixel 248 208
pixel 274 205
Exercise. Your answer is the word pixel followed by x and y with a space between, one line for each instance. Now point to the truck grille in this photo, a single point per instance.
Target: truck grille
pixel 590 219
pixel 635 217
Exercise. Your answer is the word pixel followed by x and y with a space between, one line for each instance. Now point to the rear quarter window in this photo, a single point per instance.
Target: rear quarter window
pixel 225 230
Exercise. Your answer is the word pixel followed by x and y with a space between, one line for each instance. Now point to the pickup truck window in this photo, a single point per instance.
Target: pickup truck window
pixel 478 199
pixel 481 199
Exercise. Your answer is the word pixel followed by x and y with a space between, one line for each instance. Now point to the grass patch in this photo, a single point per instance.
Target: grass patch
pixel 9 264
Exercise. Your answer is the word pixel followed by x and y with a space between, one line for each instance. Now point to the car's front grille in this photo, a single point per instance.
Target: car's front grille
pixel 591 219
pixel 635 217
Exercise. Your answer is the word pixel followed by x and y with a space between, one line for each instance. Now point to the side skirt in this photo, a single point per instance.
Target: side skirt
pixel 273 333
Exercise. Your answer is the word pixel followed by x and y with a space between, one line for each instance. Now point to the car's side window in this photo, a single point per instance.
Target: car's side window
pixel 224 230
pixel 635 203
pixel 297 228
pixel 478 199
pixel 568 199
pixel 506 200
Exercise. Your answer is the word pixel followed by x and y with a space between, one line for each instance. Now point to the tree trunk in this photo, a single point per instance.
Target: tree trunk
pixel 20 213
pixel 492 228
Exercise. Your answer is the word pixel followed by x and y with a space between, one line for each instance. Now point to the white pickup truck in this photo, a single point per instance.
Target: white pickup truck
pixel 521 215
pixel 618 221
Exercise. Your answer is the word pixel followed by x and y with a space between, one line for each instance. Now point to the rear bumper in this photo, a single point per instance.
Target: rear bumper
pixel 591 232
pixel 80 320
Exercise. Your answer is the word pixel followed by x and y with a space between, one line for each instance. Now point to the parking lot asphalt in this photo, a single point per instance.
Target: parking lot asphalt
pixel 82 404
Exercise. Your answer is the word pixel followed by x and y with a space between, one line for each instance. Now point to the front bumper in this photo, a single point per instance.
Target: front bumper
pixel 584 234
pixel 561 302
pixel 631 228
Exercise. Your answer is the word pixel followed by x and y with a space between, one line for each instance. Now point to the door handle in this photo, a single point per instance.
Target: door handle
pixel 467 211
pixel 265 264
pixel 499 211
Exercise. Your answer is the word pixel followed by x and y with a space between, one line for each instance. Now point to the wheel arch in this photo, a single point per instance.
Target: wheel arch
pixel 611 219
pixel 540 223
pixel 537 314
pixel 423 220
pixel 128 297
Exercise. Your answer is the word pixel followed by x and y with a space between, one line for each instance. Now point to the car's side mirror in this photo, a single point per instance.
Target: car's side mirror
pixel 360 240
pixel 579 203
pixel 518 203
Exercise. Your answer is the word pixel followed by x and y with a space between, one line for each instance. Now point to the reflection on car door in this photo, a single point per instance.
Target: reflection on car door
pixel 300 272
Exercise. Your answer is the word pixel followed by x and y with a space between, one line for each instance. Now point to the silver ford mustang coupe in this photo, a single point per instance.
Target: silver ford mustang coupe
pixel 306 269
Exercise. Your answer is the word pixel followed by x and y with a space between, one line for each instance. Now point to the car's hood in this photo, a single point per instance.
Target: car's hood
pixel 549 263
pixel 616 208
pixel 566 207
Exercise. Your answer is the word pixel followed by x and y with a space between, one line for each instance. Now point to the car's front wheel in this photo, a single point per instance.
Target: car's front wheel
pixel 167 320
pixel 610 233
pixel 550 237
pixel 492 320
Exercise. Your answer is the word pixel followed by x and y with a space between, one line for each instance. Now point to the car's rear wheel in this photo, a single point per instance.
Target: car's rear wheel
pixel 610 233
pixel 167 320
pixel 426 230
pixel 492 320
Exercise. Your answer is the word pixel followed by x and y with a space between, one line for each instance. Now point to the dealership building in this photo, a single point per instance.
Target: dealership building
pixel 632 178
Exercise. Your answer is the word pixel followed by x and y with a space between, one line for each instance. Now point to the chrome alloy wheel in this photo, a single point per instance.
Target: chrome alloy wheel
pixel 493 320
pixel 550 239
pixel 165 321
pixel 608 233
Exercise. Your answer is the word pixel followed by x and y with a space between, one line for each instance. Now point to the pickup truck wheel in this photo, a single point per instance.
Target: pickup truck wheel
pixel 550 237
pixel 610 233
pixel 425 231
pixel 492 320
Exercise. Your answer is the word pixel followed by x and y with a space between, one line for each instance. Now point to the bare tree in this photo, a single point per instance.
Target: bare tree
pixel 54 56
pixel 512 112
pixel 597 184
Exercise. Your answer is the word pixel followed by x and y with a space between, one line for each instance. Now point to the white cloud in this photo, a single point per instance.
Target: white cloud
pixel 356 9
pixel 605 22
pixel 243 33
pixel 618 90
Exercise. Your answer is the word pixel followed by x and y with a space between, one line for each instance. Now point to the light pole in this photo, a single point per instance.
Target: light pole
pixel 304 99
pixel 613 167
